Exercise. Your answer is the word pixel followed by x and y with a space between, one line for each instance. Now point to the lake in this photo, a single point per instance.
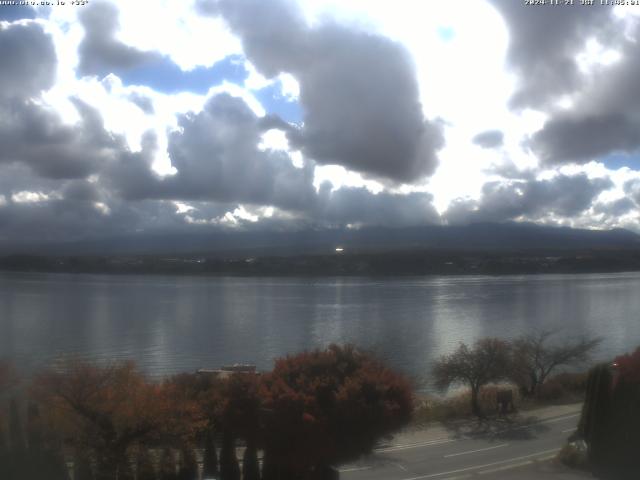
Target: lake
pixel 169 324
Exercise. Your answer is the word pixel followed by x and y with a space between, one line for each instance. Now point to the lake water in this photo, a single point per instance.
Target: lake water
pixel 170 324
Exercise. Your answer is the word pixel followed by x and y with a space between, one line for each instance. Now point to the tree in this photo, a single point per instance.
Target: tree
pixel 486 362
pixel 105 410
pixel 7 376
pixel 535 358
pixel 16 430
pixel 326 407
pixel 250 464
pixel 229 468
pixel 203 393
pixel 628 366
pixel 7 380
pixel 239 416
pixel 210 463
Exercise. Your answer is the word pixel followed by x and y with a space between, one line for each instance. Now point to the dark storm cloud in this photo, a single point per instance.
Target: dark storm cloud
pixel 354 206
pixel 39 210
pixel 35 136
pixel 359 206
pixel 489 139
pixel 28 61
pixel 563 195
pixel 217 159
pixel 44 162
pixel 274 33
pixel 616 208
pixel 73 183
pixel 32 134
pixel 544 43
pixel 358 90
pixel 61 220
pixel 360 99
pixel 100 51
pixel 217 156
pixel 543 52
pixel 81 191
pixel 510 170
pixel 604 118
pixel 580 138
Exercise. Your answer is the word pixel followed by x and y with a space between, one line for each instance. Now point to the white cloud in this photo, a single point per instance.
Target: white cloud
pixel 172 27
pixel 32 197
pixel 290 86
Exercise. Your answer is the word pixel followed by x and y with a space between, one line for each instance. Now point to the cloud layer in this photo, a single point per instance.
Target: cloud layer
pixel 358 90
pixel 208 162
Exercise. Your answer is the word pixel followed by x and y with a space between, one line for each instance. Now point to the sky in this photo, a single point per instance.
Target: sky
pixel 122 118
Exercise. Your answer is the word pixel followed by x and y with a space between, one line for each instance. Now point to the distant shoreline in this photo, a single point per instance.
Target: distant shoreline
pixel 380 264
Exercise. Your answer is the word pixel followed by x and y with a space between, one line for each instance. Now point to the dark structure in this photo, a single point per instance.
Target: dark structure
pixel 504 401
pixel 610 423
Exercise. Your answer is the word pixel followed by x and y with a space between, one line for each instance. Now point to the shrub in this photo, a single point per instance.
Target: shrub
pixel 329 406
pixel 429 409
pixel 574 455
pixel 564 387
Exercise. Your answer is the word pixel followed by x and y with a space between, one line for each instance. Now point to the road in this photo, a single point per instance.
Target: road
pixel 469 449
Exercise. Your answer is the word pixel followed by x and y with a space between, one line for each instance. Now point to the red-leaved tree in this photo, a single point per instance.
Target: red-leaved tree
pixel 326 407
pixel 628 366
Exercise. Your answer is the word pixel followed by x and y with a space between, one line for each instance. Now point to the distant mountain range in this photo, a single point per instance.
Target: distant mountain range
pixel 494 237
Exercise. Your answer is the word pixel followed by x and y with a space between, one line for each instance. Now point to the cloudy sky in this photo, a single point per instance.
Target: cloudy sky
pixel 153 116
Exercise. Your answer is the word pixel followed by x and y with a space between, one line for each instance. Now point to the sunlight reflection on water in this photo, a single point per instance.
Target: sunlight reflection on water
pixel 170 324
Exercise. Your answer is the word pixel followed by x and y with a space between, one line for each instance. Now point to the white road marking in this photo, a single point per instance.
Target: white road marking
pixel 443 440
pixel 400 466
pixel 475 451
pixel 355 469
pixel 551 420
pixel 559 419
pixel 506 467
pixel 569 430
pixel 516 465
pixel 440 441
pixel 395 448
pixel 477 467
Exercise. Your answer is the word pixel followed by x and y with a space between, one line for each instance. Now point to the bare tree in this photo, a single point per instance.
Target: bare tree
pixel 535 357
pixel 486 362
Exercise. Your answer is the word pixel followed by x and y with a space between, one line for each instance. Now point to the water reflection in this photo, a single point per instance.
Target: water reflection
pixel 170 324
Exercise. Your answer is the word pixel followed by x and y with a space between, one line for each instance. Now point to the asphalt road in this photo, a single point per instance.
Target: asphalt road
pixel 472 449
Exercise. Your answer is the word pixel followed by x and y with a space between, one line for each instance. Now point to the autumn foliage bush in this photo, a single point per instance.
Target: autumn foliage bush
pixel 103 412
pixel 314 410
pixel 329 406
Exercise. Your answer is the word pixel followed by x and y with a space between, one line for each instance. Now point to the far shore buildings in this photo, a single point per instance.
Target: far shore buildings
pixel 227 370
